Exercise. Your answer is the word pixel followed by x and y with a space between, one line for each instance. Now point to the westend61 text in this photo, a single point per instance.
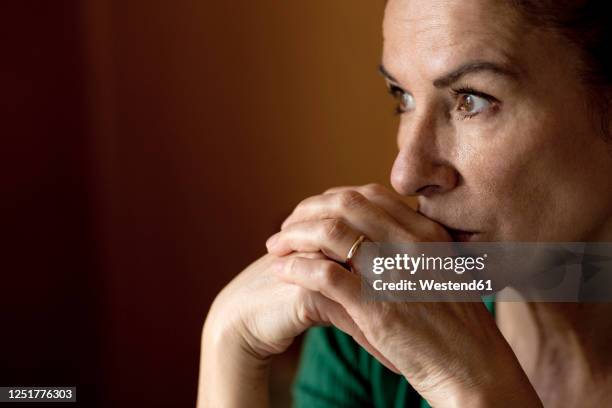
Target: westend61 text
pixel 431 285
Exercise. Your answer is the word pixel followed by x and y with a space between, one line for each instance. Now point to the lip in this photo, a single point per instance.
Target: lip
pixel 457 234
pixel 460 235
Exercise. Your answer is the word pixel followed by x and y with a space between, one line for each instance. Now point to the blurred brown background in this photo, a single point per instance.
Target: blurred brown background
pixel 149 149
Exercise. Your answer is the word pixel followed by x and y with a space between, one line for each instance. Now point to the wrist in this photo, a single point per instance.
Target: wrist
pixel 231 375
pixel 503 383
pixel 498 397
pixel 226 332
pixel 505 391
pixel 524 397
pixel 226 352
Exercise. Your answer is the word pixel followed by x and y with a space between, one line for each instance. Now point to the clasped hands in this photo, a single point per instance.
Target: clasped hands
pixel 451 352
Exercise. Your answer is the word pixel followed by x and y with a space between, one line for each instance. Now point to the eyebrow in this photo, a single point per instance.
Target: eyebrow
pixel 468 68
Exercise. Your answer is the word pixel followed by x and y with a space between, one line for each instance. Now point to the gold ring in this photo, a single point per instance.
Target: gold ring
pixel 353 250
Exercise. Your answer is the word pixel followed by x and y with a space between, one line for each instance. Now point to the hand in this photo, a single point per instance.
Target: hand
pixel 255 316
pixel 265 313
pixel 451 353
pixel 331 222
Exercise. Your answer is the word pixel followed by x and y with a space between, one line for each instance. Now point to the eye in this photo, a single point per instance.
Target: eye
pixel 405 100
pixel 471 103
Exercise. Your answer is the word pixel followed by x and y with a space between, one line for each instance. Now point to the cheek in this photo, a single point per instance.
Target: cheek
pixel 540 179
pixel 567 191
pixel 507 190
pixel 508 169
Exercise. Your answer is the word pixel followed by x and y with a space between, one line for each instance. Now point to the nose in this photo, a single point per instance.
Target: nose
pixel 421 166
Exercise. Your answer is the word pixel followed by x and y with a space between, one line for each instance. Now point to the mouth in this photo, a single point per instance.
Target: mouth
pixel 460 235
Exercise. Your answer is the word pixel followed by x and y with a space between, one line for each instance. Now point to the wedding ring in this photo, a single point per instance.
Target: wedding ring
pixel 353 250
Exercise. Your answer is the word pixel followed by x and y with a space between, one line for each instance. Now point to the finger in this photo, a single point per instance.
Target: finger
pixel 309 255
pixel 396 206
pixel 339 289
pixel 329 310
pixel 331 236
pixel 332 312
pixel 352 208
pixel 323 276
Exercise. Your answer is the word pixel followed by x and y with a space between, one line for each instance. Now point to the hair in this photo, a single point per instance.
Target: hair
pixel 587 26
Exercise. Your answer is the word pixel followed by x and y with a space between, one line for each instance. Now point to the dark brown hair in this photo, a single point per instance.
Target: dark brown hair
pixel 587 26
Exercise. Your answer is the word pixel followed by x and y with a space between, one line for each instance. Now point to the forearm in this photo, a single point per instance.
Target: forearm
pixel 230 376
pixel 501 383
pixel 515 394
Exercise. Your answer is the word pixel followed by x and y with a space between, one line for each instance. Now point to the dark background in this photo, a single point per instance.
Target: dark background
pixel 148 150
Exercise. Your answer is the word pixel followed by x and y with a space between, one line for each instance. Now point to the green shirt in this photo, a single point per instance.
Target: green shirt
pixel 336 372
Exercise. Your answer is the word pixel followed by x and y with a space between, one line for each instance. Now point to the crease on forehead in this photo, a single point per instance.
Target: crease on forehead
pixel 426 39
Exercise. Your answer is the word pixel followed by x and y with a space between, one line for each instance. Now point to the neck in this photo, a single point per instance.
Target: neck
pixel 585 328
pixel 563 347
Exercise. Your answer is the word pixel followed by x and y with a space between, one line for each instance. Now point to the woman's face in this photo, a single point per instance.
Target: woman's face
pixel 496 136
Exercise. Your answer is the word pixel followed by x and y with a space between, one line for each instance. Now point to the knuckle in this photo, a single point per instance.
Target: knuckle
pixel 302 204
pixel 312 255
pixel 303 310
pixel 373 189
pixel 350 199
pixel 292 265
pixel 334 229
pixel 328 274
pixel 331 190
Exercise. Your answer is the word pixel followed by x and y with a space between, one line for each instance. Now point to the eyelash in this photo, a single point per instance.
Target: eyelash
pixel 468 90
pixel 397 92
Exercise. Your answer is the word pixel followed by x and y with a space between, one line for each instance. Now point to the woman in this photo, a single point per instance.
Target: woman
pixel 504 136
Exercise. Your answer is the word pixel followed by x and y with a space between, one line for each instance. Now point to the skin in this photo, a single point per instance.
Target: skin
pixel 518 157
pixel 540 143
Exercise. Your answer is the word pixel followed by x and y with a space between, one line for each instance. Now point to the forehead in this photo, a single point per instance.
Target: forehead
pixel 433 36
